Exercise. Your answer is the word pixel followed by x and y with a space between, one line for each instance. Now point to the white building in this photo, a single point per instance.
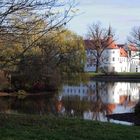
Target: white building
pixel 134 58
pixel 115 58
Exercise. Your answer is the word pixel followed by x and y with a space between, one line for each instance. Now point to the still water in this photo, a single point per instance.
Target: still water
pixel 91 100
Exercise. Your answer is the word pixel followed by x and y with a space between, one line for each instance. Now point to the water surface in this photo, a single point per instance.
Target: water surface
pixel 92 100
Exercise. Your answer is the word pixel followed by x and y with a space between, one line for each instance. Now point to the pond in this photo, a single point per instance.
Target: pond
pixel 92 100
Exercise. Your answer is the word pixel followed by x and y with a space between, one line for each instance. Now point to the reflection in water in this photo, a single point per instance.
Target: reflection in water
pixel 93 100
pixel 100 99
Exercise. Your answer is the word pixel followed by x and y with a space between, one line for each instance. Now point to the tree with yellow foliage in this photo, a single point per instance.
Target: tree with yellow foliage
pixel 59 54
pixel 24 22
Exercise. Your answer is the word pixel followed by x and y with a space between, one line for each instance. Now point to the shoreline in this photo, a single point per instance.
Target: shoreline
pixel 127 117
pixel 116 77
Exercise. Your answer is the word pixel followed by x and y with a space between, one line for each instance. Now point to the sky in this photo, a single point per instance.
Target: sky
pixel 122 15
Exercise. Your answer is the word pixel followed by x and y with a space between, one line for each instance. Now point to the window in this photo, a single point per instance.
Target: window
pixel 107 59
pixel 91 52
pixel 79 90
pixel 113 69
pixel 113 59
pixel 83 91
pixel 87 65
pixel 88 52
pixel 136 69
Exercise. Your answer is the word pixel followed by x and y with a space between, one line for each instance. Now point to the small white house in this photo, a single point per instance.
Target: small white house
pixel 134 58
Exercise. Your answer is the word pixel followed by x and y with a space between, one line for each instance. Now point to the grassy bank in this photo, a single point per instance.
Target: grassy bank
pixel 50 128
pixel 119 74
pixel 122 76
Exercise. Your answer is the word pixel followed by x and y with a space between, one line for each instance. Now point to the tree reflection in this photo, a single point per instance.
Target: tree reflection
pixel 4 105
pixel 42 104
pixel 75 106
pixel 98 107
pixel 92 103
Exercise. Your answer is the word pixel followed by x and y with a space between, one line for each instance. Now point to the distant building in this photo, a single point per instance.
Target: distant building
pixel 116 58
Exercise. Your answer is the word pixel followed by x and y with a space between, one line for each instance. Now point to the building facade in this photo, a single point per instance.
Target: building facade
pixel 115 58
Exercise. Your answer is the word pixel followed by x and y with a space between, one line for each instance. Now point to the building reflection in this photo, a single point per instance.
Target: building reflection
pixel 95 100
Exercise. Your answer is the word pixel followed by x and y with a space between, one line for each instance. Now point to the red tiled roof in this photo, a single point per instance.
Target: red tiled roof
pixel 132 47
pixel 112 44
pixel 123 53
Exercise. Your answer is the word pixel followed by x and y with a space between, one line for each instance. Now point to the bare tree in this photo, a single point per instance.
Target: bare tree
pixel 134 37
pixel 134 40
pixel 99 39
pixel 24 22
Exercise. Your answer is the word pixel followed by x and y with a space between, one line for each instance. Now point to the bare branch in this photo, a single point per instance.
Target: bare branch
pixel 99 39
pixel 134 37
pixel 25 22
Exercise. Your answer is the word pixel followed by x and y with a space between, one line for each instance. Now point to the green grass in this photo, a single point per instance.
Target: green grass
pixel 122 74
pixel 118 73
pixel 128 73
pixel 94 74
pixel 51 128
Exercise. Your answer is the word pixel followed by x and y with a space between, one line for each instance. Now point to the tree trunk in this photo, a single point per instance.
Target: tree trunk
pixel 97 66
